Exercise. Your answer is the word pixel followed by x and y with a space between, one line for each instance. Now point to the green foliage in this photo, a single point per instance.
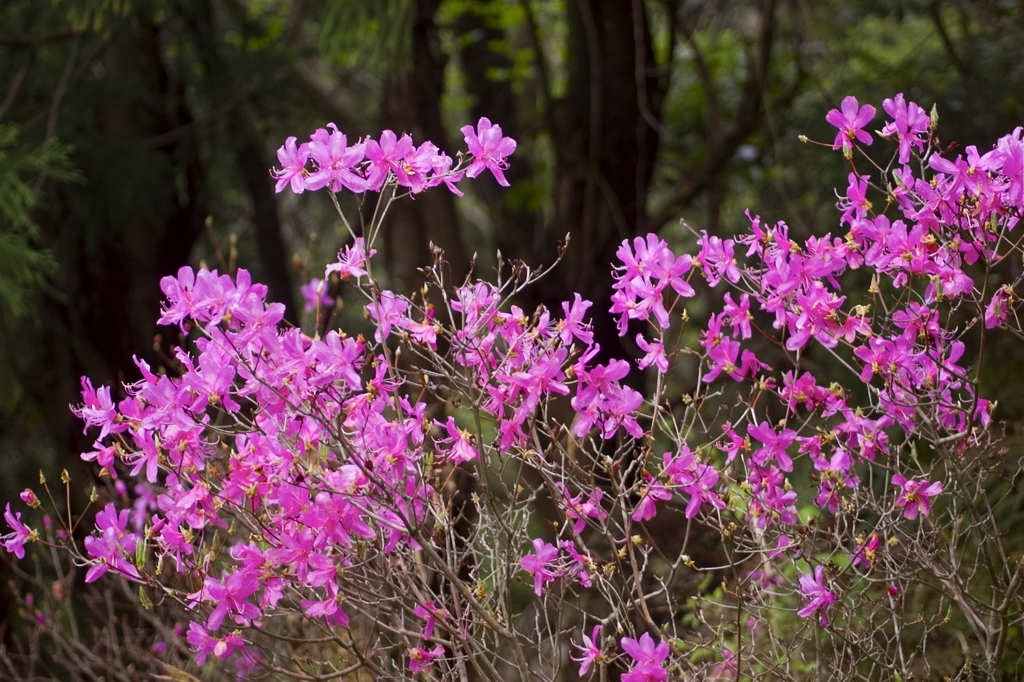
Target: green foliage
pixel 370 35
pixel 24 266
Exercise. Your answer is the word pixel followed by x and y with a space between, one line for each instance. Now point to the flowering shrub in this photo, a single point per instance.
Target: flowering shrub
pixel 469 489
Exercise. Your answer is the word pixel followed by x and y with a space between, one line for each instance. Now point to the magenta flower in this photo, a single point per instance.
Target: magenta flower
pixel 293 161
pixel 909 125
pixel 717 259
pixel 738 314
pixel 386 156
pixel 590 650
pixel 335 161
pixel 538 564
pixel 916 496
pixel 315 292
pixel 723 358
pixel 15 542
pixel 655 354
pixel 421 660
pixel 458 447
pixel 489 150
pixel 820 597
pixel 998 307
pixel 230 596
pixel 97 409
pixel 430 613
pixel 574 324
pixel 351 260
pixel 390 311
pixel 775 445
pixel 112 546
pixel 203 644
pixel 649 659
pixel 650 495
pixel 580 508
pixel 867 555
pixel 851 121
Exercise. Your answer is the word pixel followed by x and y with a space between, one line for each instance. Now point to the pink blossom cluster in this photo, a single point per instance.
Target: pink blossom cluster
pixel 328 160
pixel 280 467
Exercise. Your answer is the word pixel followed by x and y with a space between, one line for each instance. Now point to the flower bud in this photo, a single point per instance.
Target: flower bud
pixel 29 498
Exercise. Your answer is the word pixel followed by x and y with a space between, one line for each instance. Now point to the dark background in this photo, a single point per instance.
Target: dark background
pixel 136 137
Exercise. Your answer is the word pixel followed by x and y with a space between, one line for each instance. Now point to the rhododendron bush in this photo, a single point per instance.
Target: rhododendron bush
pixel 474 490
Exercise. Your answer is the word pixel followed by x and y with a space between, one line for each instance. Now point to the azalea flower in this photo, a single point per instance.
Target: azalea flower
pixel 293 171
pixel 15 542
pixel 814 588
pixel 489 149
pixel 649 659
pixel 867 555
pixel 590 650
pixel 916 496
pixel 851 121
pixel 421 660
pixel 314 293
pixel 538 564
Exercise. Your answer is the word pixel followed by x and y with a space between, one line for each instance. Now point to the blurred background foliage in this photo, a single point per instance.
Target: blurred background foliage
pixel 136 137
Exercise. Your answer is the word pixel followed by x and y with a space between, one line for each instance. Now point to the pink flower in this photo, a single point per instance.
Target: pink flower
pixel 814 588
pixel 775 445
pixel 430 613
pixel 203 644
pixel 314 293
pixel 916 496
pixel 459 445
pixel 738 314
pixel 717 259
pixel 15 542
pixel 112 546
pixel 351 260
pixel 387 156
pixel 421 660
pixel 655 354
pixel 650 495
pixel 28 496
pixel 390 311
pixel 574 325
pixel 489 150
pixel 537 564
pixel 649 659
pixel 335 161
pixel 580 508
pixel 293 161
pixel 851 121
pixel 910 124
pixel 98 409
pixel 590 650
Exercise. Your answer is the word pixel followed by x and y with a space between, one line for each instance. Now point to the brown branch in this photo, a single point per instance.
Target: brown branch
pixel 12 91
pixel 935 13
pixel 643 98
pixel 542 65
pixel 51 121
pixel 28 41
pixel 714 108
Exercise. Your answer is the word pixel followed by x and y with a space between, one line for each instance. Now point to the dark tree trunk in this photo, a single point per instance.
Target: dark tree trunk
pixel 606 145
pixel 605 139
pixel 115 236
pixel 412 104
pixel 269 240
